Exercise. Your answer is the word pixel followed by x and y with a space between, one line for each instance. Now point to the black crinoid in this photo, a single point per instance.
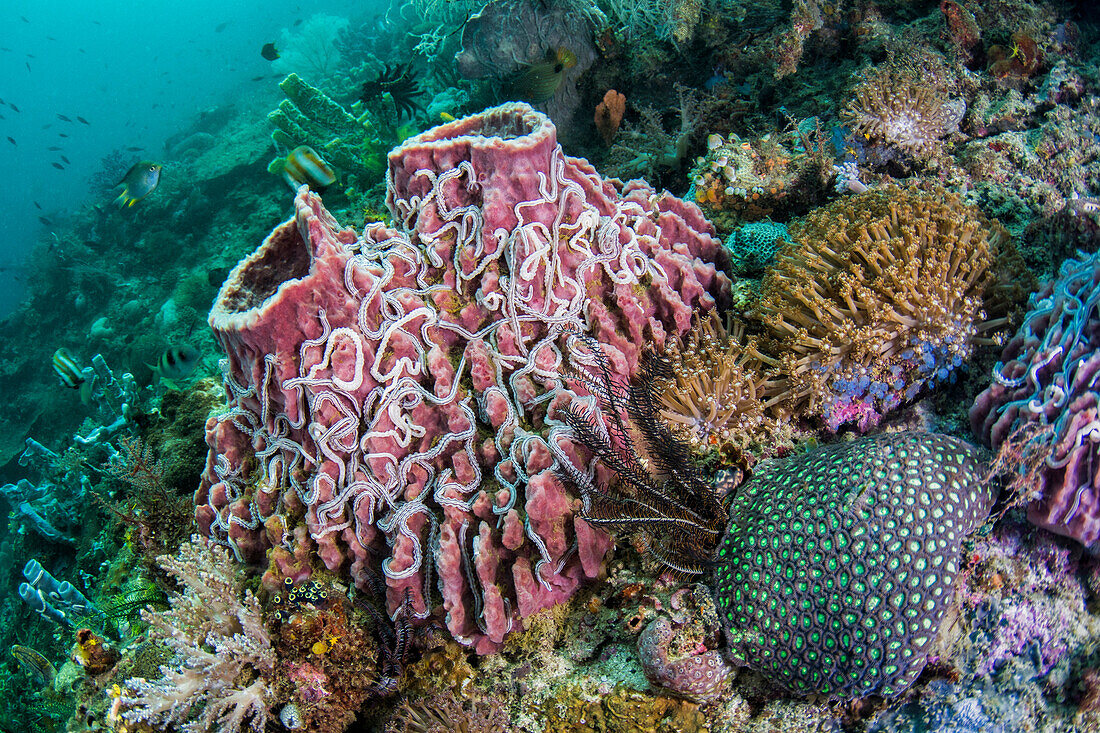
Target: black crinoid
pixel 401 83
pixel 658 494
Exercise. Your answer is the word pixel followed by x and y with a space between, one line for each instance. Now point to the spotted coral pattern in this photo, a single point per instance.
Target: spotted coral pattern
pixel 838 565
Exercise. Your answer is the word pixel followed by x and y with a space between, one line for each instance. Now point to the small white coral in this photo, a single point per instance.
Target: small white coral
pixel 223 654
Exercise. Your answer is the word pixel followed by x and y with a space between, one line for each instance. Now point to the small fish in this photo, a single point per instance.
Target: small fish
pixel 446 117
pixel 28 65
pixel 37 665
pixel 54 148
pixel 269 52
pixel 31 56
pixel 45 222
pixel 540 81
pixel 135 148
pixel 140 181
pixel 13 107
pixel 257 78
pixel 64 159
pixel 221 27
pixel 297 22
pixel 62 134
pixel 83 121
pixel 24 19
pixel 68 371
pixel 37 205
pixel 58 166
pixel 304 165
pixel 177 362
pixel 63 118
pixel 12 140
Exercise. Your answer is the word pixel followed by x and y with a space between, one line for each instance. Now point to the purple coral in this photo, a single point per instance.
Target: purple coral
pixel 1046 383
pixel 698 675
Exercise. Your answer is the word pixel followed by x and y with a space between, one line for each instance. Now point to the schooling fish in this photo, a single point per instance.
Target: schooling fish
pixel 45 222
pixel 68 371
pixel 37 205
pixel 13 107
pixel 11 140
pixel 140 181
pixel 62 134
pixel 58 166
pixel 221 27
pixel 135 149
pixel 63 118
pixel 64 159
pixel 54 148
pixel 304 165
pixel 83 121
pixel 269 52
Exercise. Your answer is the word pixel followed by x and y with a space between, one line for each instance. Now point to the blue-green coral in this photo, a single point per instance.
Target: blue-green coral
pixel 838 565
pixel 753 247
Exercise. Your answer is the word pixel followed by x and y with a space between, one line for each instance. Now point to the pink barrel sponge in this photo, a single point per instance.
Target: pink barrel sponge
pixel 397 394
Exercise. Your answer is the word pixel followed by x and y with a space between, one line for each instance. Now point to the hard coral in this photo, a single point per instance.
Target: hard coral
pixel 904 110
pixel 1046 380
pixel 399 392
pixel 838 565
pixel 881 295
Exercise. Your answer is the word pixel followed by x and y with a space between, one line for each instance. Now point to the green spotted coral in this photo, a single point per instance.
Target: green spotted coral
pixel 834 568
pixel 838 565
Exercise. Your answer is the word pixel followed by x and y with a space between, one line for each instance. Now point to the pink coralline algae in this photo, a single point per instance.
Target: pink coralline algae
pixel 1044 397
pixel 398 393
pixel 700 675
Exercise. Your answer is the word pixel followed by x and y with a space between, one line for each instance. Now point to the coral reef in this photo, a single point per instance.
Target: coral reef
pixel 882 295
pixel 1042 405
pixel 399 389
pixel 903 109
pixel 777 176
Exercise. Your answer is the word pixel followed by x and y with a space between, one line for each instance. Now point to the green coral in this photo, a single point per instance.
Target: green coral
pixel 838 565
pixel 753 247
pixel 348 141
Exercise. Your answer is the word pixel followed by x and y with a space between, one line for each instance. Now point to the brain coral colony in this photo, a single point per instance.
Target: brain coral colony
pixel 615 367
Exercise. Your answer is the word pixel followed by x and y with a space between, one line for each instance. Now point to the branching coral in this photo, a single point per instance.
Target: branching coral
pixel 218 681
pixel 904 110
pixel 882 294
pixel 717 387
